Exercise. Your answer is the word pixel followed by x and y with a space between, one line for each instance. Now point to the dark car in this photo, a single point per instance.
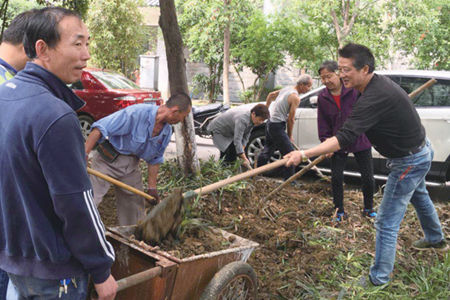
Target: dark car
pixel 106 92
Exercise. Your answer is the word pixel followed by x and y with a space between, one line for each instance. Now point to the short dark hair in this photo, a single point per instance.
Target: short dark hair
pixel 261 110
pixel 43 25
pixel 16 30
pixel 182 100
pixel 360 54
pixel 329 65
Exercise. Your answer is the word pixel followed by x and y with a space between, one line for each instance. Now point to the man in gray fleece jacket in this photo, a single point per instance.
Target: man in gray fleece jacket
pixel 231 130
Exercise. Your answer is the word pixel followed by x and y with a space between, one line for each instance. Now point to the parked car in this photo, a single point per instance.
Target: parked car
pixel 433 106
pixel 106 92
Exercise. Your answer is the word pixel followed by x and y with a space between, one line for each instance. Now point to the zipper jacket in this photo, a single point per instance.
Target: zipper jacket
pixel 330 118
pixel 49 226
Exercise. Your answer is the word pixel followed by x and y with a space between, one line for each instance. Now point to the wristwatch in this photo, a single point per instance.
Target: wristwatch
pixel 304 157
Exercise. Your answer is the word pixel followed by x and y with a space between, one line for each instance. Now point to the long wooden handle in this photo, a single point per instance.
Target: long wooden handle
pixel 133 280
pixel 422 88
pixel 297 175
pixel 217 185
pixel 119 184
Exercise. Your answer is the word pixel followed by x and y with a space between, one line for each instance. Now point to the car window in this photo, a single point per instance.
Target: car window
pixel 395 79
pixel 410 84
pixel 441 92
pixel 76 86
pixel 114 81
pixel 306 102
pixel 437 95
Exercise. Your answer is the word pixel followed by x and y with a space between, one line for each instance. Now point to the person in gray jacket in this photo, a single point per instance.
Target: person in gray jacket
pixel 231 131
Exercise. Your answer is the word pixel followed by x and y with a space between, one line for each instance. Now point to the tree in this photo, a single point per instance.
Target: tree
pixel 313 30
pixel 226 54
pixel 176 63
pixel 421 29
pixel 118 34
pixel 202 24
pixel 10 9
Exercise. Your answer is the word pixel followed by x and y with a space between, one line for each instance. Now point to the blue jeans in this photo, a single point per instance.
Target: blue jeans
pixel 48 289
pixel 3 284
pixel 406 183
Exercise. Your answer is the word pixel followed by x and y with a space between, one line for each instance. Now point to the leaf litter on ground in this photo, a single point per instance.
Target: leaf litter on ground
pixel 305 254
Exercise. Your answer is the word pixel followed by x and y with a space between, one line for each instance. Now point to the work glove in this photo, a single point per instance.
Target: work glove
pixel 154 193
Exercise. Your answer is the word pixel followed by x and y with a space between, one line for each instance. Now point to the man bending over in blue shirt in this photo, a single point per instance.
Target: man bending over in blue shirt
pixel 138 131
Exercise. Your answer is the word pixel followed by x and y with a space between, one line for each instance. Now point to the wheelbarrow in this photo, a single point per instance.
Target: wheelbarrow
pixel 146 272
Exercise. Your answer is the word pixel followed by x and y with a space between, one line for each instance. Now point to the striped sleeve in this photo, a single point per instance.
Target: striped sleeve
pixel 62 159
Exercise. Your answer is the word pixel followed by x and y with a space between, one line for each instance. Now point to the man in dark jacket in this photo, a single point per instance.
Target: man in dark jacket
pixel 51 236
pixel 335 104
pixel 387 116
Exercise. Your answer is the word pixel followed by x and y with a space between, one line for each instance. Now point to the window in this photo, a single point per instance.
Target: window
pixel 441 92
pixel 410 84
pixel 437 95
pixel 114 80
pixel 76 86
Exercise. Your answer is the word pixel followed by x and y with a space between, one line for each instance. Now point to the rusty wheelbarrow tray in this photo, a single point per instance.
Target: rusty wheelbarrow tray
pixel 147 272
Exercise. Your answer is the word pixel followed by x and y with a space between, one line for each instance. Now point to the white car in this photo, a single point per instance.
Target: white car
pixel 433 106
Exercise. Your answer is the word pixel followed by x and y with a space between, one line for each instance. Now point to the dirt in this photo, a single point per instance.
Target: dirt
pixel 298 248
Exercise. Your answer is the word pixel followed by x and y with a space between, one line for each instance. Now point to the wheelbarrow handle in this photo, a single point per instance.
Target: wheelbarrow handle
pixel 217 185
pixel 133 280
pixel 120 184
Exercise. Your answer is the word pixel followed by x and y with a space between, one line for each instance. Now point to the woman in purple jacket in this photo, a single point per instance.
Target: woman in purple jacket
pixel 335 104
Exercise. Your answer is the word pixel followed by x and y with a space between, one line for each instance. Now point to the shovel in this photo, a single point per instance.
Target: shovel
pixel 165 217
pixel 150 199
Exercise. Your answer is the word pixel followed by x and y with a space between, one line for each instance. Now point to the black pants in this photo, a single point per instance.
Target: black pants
pixel 365 164
pixel 276 139
pixel 229 155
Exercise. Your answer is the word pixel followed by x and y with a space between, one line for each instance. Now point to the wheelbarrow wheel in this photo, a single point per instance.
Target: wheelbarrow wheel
pixel 235 281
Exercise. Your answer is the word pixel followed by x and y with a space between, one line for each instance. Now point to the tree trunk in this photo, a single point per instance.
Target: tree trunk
pixel 240 77
pixel 261 86
pixel 176 64
pixel 226 55
pixel 212 86
pixel 3 10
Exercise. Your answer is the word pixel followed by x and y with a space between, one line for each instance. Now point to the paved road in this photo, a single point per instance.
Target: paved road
pixel 205 149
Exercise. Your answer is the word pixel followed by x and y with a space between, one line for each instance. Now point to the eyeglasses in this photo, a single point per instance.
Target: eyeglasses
pixel 327 77
pixel 344 70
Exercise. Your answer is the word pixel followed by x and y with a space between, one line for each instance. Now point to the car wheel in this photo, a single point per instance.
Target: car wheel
pixel 85 124
pixel 256 144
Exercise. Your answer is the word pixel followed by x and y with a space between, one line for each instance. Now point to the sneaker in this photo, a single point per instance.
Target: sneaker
pixel 422 244
pixel 366 283
pixel 340 216
pixel 370 213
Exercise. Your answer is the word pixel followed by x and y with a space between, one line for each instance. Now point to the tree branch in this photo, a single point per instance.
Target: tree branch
pixel 336 27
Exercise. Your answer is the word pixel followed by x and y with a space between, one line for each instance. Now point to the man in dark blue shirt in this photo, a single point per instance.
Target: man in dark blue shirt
pixel 51 236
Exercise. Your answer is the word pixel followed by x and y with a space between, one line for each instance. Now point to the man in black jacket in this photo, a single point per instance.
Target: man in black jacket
pixel 387 116
pixel 51 236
